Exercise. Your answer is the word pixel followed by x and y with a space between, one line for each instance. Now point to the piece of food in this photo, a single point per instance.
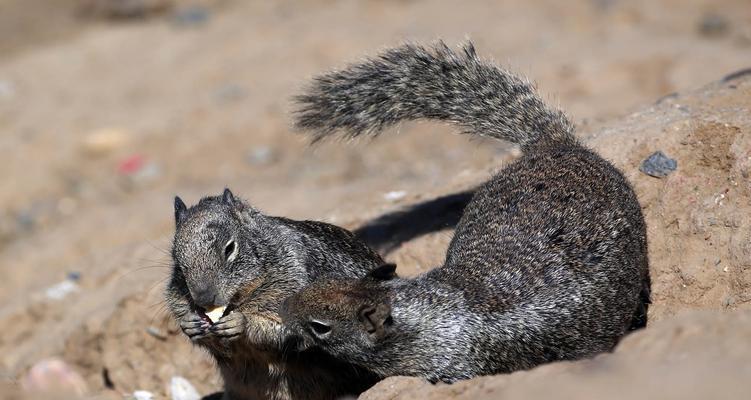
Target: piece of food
pixel 215 313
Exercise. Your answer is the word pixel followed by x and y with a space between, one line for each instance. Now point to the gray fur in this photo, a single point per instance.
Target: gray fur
pixel 548 262
pixel 275 257
pixel 413 82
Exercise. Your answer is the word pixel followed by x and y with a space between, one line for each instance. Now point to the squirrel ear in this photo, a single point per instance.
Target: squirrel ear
pixel 181 211
pixel 384 272
pixel 375 318
pixel 228 198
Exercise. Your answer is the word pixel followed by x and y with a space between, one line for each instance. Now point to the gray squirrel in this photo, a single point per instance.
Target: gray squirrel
pixel 230 257
pixel 548 261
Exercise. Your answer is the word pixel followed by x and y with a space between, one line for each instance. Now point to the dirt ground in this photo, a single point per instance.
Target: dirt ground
pixel 107 113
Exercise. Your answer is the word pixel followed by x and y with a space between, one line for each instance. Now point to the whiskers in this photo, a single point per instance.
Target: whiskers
pixel 163 262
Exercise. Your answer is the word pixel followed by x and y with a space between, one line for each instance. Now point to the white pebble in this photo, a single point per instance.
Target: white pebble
pixel 395 195
pixel 181 389
pixel 143 395
pixel 61 290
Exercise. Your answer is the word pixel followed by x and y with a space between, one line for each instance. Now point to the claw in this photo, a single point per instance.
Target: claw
pixel 229 326
pixel 194 326
pixel 189 325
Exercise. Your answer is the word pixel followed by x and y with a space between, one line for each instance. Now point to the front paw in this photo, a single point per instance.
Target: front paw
pixel 230 326
pixel 194 326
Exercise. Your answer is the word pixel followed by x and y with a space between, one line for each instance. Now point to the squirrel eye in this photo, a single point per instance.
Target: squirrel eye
pixel 319 329
pixel 230 250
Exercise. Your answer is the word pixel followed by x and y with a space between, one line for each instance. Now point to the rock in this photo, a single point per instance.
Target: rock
pixel 104 141
pixel 181 389
pixel 53 376
pixel 658 165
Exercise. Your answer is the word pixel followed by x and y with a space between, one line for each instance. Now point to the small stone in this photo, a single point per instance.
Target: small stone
pixel 713 25
pixel 155 332
pixel 181 389
pixel 61 290
pixel 143 395
pixel 658 165
pixel 104 141
pixel 74 276
pixel 395 195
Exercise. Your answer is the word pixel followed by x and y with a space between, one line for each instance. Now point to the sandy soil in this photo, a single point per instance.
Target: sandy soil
pixel 103 120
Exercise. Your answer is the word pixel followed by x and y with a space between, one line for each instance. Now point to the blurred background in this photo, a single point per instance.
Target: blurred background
pixel 109 108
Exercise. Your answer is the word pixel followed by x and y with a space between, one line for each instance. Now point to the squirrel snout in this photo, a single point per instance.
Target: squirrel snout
pixel 207 298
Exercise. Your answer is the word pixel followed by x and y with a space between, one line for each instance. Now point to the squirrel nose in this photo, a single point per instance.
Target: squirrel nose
pixel 206 297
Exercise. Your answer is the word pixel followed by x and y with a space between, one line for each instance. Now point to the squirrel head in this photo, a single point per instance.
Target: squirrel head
pixel 342 316
pixel 222 248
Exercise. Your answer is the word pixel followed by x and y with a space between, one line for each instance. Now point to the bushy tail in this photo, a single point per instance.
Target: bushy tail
pixel 414 82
